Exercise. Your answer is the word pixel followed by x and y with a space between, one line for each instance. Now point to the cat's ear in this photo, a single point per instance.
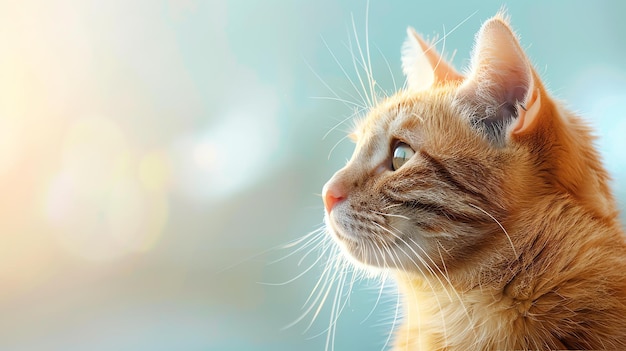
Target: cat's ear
pixel 501 86
pixel 422 65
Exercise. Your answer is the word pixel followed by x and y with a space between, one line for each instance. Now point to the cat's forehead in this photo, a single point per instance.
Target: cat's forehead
pixel 402 115
pixel 388 115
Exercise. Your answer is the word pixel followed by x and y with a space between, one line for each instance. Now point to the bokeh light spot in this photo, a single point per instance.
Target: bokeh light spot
pixel 230 155
pixel 10 143
pixel 154 171
pixel 100 208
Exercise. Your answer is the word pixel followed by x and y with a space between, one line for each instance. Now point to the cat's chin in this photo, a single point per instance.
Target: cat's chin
pixel 360 253
pixel 358 248
pixel 380 253
pixel 366 254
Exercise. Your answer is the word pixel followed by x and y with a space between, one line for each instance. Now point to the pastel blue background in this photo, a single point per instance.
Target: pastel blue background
pixel 153 155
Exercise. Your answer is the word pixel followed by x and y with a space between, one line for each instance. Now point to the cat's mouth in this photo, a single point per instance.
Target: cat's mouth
pixel 338 226
pixel 368 241
pixel 382 240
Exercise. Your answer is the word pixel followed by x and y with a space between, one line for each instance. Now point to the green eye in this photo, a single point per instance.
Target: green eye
pixel 401 154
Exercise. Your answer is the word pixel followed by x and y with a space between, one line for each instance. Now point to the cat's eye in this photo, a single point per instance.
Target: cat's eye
pixel 401 154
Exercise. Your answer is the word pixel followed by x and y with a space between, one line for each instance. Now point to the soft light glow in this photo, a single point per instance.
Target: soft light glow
pixel 205 155
pixel 231 155
pixel 10 142
pixel 97 202
pixel 154 171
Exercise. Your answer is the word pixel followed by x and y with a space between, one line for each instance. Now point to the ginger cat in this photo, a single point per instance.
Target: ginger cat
pixel 488 202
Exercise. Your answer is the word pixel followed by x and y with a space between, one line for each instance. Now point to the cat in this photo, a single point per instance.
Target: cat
pixel 485 199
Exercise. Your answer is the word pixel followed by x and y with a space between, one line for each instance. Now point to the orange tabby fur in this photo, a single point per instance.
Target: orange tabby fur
pixel 512 242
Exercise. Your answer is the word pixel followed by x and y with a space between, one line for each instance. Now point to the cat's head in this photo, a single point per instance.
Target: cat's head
pixel 444 171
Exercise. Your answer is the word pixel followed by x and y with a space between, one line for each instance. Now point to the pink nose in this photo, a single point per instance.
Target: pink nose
pixel 332 194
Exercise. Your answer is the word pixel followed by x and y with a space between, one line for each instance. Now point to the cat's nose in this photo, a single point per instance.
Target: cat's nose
pixel 332 194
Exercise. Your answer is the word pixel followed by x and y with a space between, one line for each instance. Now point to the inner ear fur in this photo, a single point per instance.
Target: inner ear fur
pixel 502 86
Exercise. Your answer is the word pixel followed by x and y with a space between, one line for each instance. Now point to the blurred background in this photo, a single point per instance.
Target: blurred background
pixel 156 155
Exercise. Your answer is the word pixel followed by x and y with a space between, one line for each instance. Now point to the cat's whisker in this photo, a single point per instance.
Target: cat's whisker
pixel 380 293
pixel 447 279
pixel 362 94
pixel 443 48
pixel 396 317
pixel 336 144
pixel 296 242
pixel 323 244
pixel 315 240
pixel 354 114
pixel 332 91
pixel 327 278
pixel 414 293
pixel 314 248
pixel 370 73
pixel 323 294
pixel 451 31
pixel 376 257
pixel 329 282
pixel 369 99
pixel 390 215
pixel 444 274
pixel 331 333
pixel 411 258
pixel 317 232
pixel 340 267
pixel 336 310
pixel 391 206
pixel 319 258
pixel 393 78
pixel 393 253
pixel 443 262
pixel 345 73
pixel 501 227
pixel 324 279
pixel 430 269
pixel 399 236
pixel 344 101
